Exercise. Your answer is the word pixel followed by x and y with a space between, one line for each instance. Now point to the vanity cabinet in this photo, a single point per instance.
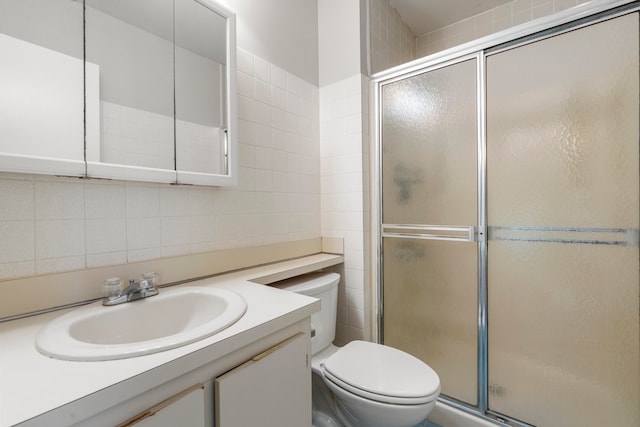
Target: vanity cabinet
pixel 186 408
pixel 270 389
pixel 271 342
pixel 265 383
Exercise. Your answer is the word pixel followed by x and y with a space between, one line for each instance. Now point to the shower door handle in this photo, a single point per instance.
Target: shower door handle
pixel 431 232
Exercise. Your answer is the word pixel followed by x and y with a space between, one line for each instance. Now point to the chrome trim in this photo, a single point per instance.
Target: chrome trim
pixel 466 408
pixel 427 237
pixel 489 416
pixel 225 166
pixel 569 235
pixel 427 227
pixel 430 232
pixel 505 420
pixel 377 203
pixel 48 310
pixel 428 68
pixel 483 339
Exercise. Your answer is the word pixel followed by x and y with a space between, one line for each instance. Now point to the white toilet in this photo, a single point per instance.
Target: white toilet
pixel 370 384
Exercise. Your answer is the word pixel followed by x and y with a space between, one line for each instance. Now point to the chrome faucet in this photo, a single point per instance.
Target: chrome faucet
pixel 114 293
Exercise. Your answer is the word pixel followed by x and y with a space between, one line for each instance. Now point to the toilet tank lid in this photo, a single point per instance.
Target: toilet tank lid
pixel 309 284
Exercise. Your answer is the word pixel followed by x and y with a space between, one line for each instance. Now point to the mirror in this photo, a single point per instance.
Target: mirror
pixel 205 98
pixel 200 58
pixel 131 45
pixel 153 104
pixel 162 89
pixel 41 87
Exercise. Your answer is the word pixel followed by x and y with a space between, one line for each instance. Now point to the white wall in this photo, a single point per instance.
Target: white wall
pixel 283 32
pixel 338 40
pixel 344 156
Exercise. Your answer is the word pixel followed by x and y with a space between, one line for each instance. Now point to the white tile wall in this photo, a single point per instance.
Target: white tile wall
pixel 392 41
pixel 344 154
pixel 497 19
pixel 50 224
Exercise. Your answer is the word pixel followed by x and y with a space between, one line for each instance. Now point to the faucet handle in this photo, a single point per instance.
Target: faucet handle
pixel 112 288
pixel 149 280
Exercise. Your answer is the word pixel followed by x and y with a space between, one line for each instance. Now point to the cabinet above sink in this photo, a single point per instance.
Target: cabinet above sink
pixel 115 89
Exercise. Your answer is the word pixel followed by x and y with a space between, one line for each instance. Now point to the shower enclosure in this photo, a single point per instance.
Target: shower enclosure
pixel 508 221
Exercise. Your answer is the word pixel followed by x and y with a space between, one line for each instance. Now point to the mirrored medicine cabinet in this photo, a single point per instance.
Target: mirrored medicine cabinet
pixel 138 90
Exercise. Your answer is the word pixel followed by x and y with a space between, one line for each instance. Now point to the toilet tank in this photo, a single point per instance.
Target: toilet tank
pixel 323 286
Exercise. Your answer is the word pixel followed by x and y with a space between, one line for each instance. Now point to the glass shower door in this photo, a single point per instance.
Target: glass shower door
pixel 562 200
pixel 429 161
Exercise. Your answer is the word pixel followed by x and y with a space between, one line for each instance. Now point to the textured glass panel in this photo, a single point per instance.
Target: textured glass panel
pixel 430 308
pixel 563 333
pixel 562 154
pixel 562 130
pixel 429 147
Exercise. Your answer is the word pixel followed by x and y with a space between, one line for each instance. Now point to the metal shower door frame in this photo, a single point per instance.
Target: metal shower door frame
pixel 571 19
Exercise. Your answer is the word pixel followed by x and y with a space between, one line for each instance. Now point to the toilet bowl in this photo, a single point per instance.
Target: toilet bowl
pixel 370 384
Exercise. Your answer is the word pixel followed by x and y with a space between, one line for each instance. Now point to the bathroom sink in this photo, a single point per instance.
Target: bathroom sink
pixel 173 318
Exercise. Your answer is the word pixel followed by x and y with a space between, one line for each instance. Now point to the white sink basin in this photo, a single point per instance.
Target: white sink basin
pixel 173 318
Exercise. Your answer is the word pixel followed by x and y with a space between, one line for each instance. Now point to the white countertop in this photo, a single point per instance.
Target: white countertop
pixel 32 384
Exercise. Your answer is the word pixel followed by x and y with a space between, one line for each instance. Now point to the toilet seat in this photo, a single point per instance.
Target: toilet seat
pixel 383 374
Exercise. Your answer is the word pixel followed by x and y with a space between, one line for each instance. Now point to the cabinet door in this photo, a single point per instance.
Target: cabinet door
pixel 183 409
pixel 271 389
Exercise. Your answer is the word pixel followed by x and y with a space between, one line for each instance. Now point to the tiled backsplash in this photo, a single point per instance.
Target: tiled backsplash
pixel 51 224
